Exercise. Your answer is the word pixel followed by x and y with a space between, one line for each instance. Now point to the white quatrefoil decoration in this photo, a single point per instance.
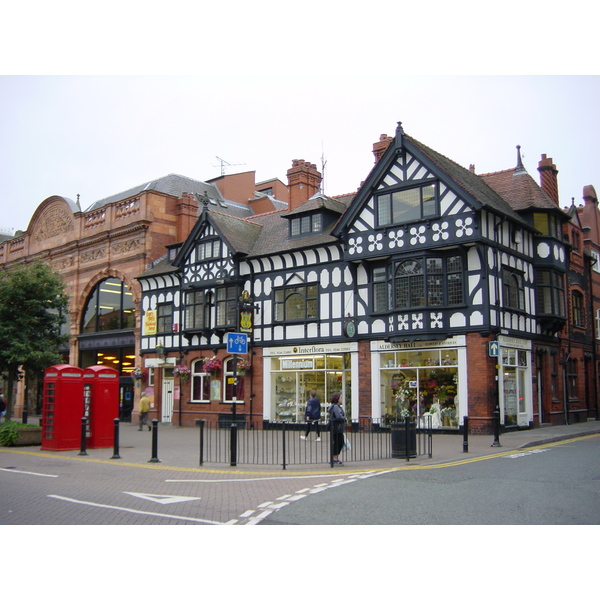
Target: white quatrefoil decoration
pixel 403 322
pixel 417 233
pixel 355 245
pixel 439 231
pixel 375 242
pixel 464 227
pixel 396 239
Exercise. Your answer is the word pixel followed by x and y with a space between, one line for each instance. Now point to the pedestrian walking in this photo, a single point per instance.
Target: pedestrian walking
pixel 337 425
pixel 144 410
pixel 312 415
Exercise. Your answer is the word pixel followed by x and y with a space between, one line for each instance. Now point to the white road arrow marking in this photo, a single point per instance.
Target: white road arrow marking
pixel 161 499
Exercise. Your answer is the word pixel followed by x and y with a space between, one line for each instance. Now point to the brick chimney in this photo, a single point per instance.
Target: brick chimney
pixel 381 146
pixel 549 177
pixel 187 215
pixel 304 181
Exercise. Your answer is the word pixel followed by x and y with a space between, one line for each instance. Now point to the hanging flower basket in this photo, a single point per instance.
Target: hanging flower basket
pixel 183 372
pixel 243 366
pixel 212 365
pixel 139 374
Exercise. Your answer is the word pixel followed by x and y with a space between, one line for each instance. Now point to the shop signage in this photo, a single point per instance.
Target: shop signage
pixel 453 342
pixel 294 365
pixel 314 349
pixel 150 322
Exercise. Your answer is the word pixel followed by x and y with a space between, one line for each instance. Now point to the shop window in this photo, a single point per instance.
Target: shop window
pixel 577 303
pixel 200 382
pixel 550 293
pixel 421 385
pixel 404 206
pixel 514 289
pixel 416 282
pixel 296 303
pixel 110 307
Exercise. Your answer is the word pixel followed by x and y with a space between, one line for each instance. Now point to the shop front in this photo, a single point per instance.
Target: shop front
pixel 420 380
pixel 291 372
pixel 515 382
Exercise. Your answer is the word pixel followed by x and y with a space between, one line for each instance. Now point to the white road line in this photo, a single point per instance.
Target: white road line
pixel 336 474
pixel 27 472
pixel 138 512
pixel 162 498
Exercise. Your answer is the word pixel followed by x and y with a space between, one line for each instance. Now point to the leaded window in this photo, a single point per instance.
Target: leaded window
pixel 550 293
pixel 434 281
pixel 296 303
pixel 514 289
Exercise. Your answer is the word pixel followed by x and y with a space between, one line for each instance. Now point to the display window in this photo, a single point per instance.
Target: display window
pixel 420 385
pixel 293 377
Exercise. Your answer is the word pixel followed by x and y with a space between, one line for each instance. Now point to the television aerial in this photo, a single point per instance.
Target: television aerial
pixel 225 163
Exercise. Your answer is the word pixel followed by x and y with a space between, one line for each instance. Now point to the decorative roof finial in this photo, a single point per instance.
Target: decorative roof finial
pixel 520 166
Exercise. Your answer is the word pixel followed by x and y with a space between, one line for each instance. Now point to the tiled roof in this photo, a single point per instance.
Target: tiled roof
pixel 519 189
pixel 317 202
pixel 472 183
pixel 240 233
pixel 176 185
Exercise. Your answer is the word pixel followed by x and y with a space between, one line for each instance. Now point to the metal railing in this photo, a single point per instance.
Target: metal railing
pixel 260 443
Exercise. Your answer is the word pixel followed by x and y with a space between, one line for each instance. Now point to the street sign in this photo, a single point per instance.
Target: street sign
pixel 237 343
pixel 494 348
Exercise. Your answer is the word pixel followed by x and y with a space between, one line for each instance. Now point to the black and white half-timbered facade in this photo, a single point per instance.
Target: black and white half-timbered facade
pixel 423 293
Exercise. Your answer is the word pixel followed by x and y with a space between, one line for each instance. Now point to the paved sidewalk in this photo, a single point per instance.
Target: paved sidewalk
pixel 178 447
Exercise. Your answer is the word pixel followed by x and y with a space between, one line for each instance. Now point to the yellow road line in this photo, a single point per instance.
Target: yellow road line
pixel 332 472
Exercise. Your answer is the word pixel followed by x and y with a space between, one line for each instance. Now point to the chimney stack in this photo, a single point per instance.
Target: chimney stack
pixel 549 177
pixel 304 181
pixel 381 146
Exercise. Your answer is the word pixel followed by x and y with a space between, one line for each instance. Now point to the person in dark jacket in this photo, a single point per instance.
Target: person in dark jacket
pixel 312 414
pixel 337 424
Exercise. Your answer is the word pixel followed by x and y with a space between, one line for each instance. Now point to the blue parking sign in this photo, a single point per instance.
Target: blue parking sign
pixel 237 343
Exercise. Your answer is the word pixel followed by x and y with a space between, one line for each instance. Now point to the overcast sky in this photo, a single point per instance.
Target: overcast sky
pixel 270 87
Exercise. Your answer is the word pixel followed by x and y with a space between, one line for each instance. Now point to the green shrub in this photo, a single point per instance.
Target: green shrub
pixel 9 431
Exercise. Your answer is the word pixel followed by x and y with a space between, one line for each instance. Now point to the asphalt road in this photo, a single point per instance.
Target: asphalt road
pixel 554 485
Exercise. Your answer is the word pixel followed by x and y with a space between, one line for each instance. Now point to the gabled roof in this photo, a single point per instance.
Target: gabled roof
pixel 318 202
pixel 467 184
pixel 240 234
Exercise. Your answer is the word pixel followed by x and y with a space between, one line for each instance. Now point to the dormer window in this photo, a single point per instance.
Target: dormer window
pixel 306 224
pixel 404 206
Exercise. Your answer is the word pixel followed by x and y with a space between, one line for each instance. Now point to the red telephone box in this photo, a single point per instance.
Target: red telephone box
pixel 62 408
pixel 100 404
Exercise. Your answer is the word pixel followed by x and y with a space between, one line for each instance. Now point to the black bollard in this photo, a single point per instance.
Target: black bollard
pixel 116 439
pixel 465 434
pixel 233 445
pixel 24 416
pixel 496 423
pixel 154 441
pixel 83 436
pixel 407 438
pixel 283 448
pixel 201 425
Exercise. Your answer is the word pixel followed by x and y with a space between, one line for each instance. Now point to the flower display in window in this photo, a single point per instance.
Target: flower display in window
pixel 212 365
pixel 183 372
